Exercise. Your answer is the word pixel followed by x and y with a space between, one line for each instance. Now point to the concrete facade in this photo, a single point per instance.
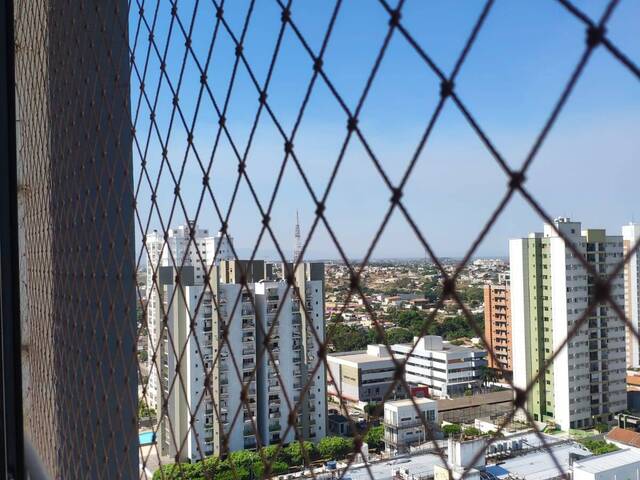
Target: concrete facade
pixel 623 464
pixel 447 370
pixel 209 329
pixel 292 321
pixel 77 236
pixel 630 235
pixel 361 377
pixel 409 422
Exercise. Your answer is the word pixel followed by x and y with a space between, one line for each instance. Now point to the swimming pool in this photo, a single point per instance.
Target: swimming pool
pixel 147 438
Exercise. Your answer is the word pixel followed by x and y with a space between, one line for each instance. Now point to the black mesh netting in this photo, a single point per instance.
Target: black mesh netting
pixel 113 160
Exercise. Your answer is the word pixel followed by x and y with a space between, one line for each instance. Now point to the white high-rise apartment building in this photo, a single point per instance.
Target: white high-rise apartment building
pixel 212 327
pixel 630 235
pixel 177 250
pixel 296 335
pixel 191 252
pixel 550 290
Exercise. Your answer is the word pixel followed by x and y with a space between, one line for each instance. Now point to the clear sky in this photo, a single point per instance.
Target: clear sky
pixel 587 169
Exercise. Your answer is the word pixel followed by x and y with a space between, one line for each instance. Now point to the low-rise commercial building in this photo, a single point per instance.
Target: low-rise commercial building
pixel 447 369
pixel 409 422
pixel 622 464
pixel 361 377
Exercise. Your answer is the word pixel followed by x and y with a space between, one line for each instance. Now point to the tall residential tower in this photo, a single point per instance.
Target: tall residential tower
pixel 630 235
pixel 550 291
pixel 211 329
pixel 497 323
pixel 189 252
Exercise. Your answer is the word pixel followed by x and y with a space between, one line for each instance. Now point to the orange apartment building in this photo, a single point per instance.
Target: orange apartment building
pixel 497 323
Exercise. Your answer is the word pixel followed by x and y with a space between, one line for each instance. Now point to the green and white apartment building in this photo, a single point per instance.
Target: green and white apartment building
pixel 550 290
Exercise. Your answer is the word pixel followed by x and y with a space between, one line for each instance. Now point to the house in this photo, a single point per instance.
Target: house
pixel 623 438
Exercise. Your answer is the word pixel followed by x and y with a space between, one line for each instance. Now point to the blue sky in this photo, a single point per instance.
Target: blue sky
pixel 587 168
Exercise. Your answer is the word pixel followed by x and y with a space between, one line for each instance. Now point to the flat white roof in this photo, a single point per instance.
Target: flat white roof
pixel 358 357
pixel 608 461
pixel 539 465
pixel 447 347
pixel 407 402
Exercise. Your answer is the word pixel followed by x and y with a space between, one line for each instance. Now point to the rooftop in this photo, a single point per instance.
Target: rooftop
pixel 436 344
pixel 539 465
pixel 608 461
pixel 408 401
pixel 374 353
pixel 621 435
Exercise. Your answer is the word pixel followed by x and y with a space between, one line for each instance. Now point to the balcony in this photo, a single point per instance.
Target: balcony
pixel 248 365
pixel 274 427
pixel 248 324
pixel 249 444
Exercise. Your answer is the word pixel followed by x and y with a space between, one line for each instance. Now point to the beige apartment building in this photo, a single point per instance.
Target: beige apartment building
pixel 361 377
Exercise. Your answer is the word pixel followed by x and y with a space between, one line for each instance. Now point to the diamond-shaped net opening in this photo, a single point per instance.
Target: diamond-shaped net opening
pixel 231 118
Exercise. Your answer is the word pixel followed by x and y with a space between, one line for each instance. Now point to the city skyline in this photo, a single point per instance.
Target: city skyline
pixel 289 250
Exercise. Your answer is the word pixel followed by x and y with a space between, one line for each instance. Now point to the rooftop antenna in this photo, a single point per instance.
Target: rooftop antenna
pixel 298 245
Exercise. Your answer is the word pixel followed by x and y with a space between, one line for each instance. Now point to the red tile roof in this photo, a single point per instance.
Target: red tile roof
pixel 621 435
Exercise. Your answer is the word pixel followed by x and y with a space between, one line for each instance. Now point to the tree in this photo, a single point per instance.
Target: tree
pixel 408 318
pixel 335 447
pixel 471 295
pixel 602 427
pixel 298 454
pixel 432 290
pixel 259 469
pixel 275 453
pixel 144 410
pixel 175 471
pixel 471 432
pixel 239 473
pixel 279 468
pixel 453 429
pixel 242 458
pixel 598 447
pixel 489 375
pixel 456 327
pixel 399 335
pixel 347 338
pixel 209 467
pixel 373 409
pixel 375 437
pixel 414 322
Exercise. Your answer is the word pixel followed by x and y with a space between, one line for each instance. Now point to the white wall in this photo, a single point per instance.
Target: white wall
pixel 560 327
pixel 519 275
